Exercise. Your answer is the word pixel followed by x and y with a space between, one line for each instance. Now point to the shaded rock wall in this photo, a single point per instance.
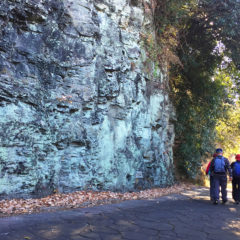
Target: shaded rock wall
pixel 78 110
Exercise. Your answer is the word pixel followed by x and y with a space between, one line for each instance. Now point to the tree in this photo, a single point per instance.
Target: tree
pixel 200 99
pixel 228 129
pixel 223 19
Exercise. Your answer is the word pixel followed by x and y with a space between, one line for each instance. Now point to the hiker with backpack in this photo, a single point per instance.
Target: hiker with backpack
pixel 208 172
pixel 236 179
pixel 219 168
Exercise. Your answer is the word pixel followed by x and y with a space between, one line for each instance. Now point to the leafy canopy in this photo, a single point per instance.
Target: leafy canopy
pixel 206 35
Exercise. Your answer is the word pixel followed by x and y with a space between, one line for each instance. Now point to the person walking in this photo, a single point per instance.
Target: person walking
pixel 208 172
pixel 236 179
pixel 219 168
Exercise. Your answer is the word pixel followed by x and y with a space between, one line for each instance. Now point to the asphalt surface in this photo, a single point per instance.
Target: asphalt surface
pixel 186 216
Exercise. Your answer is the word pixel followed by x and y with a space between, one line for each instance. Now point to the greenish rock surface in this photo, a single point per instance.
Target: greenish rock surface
pixel 77 109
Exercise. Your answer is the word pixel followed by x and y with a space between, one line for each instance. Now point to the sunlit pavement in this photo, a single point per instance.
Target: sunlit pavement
pixel 187 216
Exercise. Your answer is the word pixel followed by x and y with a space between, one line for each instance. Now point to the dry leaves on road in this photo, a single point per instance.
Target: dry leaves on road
pixel 80 199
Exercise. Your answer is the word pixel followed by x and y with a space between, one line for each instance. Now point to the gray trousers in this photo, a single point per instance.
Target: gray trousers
pixel 220 181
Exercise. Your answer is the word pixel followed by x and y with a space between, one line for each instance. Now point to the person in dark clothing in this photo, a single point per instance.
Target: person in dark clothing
pixel 236 179
pixel 219 168
pixel 208 172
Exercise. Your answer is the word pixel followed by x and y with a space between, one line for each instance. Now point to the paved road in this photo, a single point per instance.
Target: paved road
pixel 189 216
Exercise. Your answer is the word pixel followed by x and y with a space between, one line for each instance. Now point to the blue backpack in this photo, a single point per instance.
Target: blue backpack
pixel 236 169
pixel 219 164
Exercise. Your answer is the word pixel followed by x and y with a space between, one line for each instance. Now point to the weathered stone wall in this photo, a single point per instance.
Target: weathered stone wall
pixel 78 110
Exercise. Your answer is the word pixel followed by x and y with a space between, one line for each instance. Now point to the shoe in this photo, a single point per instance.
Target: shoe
pixel 224 201
pixel 237 202
pixel 215 202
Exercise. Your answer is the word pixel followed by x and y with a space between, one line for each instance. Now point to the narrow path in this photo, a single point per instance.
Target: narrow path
pixel 187 216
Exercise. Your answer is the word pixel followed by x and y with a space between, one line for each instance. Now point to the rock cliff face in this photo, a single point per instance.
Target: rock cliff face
pixel 81 106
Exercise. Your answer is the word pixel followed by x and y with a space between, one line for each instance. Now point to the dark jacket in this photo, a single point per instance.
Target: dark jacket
pixel 227 167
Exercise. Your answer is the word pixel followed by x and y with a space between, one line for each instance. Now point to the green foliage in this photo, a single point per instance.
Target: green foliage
pixel 199 98
pixel 172 13
pixel 223 19
pixel 228 129
pixel 169 16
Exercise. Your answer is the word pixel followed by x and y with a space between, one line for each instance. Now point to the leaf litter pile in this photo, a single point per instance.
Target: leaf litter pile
pixel 80 199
